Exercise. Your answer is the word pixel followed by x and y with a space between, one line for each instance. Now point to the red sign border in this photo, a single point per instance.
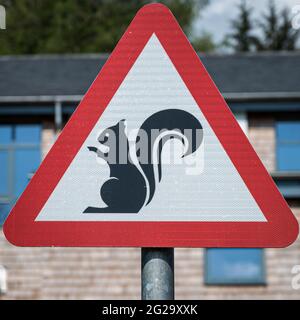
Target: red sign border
pixel 281 228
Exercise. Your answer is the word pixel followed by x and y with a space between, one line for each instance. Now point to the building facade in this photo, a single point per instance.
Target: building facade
pixel 38 95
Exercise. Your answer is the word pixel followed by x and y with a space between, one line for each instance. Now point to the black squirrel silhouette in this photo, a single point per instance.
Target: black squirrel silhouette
pixel 130 188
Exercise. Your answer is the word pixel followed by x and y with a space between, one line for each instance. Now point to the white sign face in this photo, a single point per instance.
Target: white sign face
pixel 204 186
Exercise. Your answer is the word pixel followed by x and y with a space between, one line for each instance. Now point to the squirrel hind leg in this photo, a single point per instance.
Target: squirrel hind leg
pixel 108 210
pixel 97 210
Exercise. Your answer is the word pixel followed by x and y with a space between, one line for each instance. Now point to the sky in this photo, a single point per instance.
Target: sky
pixel 216 17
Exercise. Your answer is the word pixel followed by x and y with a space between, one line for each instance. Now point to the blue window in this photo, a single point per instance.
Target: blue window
pixel 19 158
pixel 288 145
pixel 234 266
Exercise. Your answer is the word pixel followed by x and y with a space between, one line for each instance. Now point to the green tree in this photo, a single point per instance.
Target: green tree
pixel 287 36
pixel 275 26
pixel 25 22
pixel 204 42
pixel 277 31
pixel 58 26
pixel 242 38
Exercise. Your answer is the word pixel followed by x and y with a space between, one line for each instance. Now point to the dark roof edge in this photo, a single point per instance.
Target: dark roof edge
pixel 231 96
pixel 55 56
pixel 246 96
pixel 106 55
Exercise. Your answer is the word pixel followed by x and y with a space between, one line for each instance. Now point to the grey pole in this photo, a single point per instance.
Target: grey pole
pixel 157 273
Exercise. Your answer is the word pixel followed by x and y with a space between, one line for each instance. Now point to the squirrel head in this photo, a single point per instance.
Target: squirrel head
pixel 111 134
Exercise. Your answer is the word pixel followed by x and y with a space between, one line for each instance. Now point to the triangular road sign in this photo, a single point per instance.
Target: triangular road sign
pixel 218 195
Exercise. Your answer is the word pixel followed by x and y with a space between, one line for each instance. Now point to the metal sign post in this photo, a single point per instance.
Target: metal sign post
pixel 157 273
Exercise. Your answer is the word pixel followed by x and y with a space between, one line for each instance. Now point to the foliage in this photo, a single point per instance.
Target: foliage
pixel 204 43
pixel 275 30
pixel 59 26
pixel 242 36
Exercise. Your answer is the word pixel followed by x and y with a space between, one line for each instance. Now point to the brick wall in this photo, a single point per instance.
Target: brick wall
pixel 98 273
pixel 48 137
pixel 261 134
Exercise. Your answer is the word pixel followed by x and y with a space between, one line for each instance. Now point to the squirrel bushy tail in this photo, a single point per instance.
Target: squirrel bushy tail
pixel 159 128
